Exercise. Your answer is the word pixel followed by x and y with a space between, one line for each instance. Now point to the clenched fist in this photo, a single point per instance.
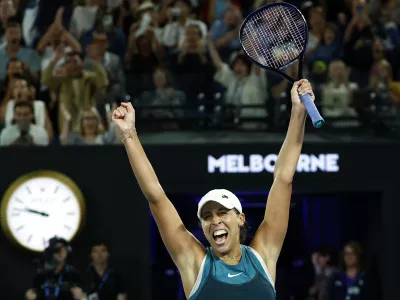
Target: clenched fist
pixel 124 117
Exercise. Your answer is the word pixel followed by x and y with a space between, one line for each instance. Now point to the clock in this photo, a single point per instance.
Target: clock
pixel 39 206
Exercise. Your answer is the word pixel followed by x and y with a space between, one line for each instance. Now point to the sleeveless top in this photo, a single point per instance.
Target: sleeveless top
pixel 249 279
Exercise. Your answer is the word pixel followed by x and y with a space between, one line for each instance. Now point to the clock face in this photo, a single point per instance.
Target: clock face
pixel 40 208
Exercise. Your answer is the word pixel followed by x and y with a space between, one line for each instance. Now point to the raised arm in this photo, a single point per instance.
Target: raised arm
pixel 269 238
pixel 185 250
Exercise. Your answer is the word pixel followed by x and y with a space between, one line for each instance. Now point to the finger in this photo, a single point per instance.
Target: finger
pixel 298 83
pixel 122 111
pixel 115 114
pixel 128 106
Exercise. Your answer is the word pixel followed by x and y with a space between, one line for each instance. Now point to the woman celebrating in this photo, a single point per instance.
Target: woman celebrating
pixel 227 269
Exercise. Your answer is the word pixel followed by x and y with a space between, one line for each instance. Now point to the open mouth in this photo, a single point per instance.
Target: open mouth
pixel 220 236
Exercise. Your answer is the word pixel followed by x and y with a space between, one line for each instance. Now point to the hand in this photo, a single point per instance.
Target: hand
pixel 59 17
pixel 301 87
pixel 124 117
pixel 77 293
pixel 30 294
pixel 65 112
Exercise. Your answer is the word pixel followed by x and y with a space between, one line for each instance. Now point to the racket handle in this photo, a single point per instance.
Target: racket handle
pixel 312 110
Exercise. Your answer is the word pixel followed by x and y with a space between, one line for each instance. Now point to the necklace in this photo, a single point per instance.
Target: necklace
pixel 231 258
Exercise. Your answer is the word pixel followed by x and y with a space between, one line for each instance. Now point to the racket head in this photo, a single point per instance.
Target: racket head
pixel 275 36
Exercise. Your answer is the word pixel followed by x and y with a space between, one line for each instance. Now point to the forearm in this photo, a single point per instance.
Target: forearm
pixel 142 168
pixel 289 154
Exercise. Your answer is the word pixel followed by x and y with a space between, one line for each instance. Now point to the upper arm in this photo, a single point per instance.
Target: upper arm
pixel 185 250
pixel 269 237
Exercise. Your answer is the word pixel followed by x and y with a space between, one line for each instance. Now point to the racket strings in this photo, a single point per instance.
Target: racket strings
pixel 274 37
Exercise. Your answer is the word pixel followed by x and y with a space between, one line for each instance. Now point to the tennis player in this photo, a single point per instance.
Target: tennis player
pixel 227 269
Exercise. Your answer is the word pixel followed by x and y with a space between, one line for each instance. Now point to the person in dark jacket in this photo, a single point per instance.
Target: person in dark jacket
pixel 348 283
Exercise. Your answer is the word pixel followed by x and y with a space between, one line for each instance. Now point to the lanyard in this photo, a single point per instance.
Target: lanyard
pixel 56 289
pixel 103 279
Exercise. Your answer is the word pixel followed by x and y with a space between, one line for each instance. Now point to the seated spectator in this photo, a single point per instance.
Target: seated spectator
pixel 225 32
pixel 245 83
pixel 381 81
pixel 8 10
pixel 77 88
pixel 14 67
pixel 90 129
pixel 23 90
pixel 348 283
pixel 97 52
pixel 55 35
pixel 165 94
pixel 175 31
pixel 144 54
pixel 192 66
pixel 337 94
pixel 23 132
pixel 13 49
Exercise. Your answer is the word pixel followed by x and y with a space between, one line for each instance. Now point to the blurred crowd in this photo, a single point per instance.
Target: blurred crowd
pixel 65 64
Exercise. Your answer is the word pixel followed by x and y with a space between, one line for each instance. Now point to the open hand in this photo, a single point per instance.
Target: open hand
pixel 301 87
pixel 124 117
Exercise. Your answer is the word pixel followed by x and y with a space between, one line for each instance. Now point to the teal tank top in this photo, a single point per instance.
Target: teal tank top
pixel 249 279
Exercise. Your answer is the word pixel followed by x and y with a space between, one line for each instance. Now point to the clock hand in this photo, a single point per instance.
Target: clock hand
pixel 33 211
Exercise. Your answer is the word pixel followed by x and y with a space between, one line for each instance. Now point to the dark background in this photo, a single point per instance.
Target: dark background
pixel 366 186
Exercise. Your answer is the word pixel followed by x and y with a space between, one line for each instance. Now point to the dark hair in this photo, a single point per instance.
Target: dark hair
pixel 194 25
pixel 12 23
pixel 74 53
pixel 358 251
pixel 23 104
pixel 244 230
pixel 328 250
pixel 100 242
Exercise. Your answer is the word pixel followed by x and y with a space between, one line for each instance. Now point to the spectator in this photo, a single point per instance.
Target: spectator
pixel 348 283
pixel 143 55
pixel 328 49
pixel 324 260
pixel 337 94
pixel 90 128
pixel 175 31
pixel 8 9
pixel 97 52
pixel 83 17
pixel 245 83
pixel 357 48
pixel 78 89
pixel 165 94
pixel 106 22
pixel 55 35
pixel 225 32
pixel 23 132
pixel 23 90
pixel 192 65
pixel 104 282
pixel 317 22
pixel 13 49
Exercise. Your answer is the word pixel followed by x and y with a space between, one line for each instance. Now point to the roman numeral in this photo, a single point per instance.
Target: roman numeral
pixel 67 199
pixel 28 189
pixel 56 190
pixel 29 238
pixel 20 227
pixel 67 227
pixel 71 213
pixel 19 200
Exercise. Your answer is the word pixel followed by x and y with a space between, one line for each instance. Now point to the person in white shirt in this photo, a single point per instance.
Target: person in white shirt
pixel 174 31
pixel 23 132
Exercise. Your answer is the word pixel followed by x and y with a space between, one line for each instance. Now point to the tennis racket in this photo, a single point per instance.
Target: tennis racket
pixel 275 36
